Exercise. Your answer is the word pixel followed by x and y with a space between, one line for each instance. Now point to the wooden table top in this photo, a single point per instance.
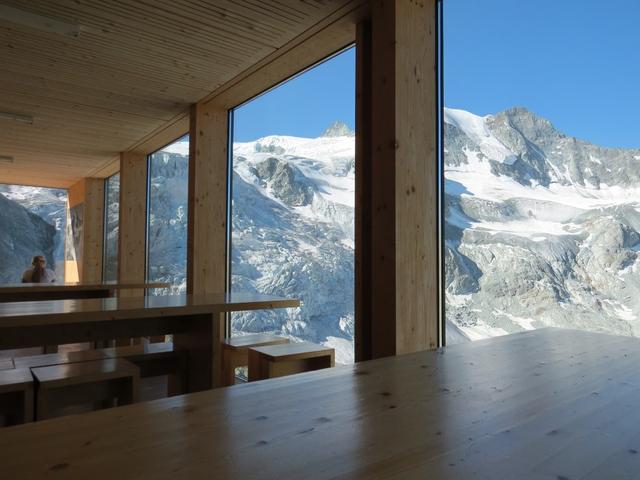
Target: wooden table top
pixel 9 288
pixel 52 312
pixel 549 404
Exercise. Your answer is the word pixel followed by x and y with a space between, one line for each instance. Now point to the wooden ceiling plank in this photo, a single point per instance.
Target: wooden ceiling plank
pixel 223 29
pixel 86 115
pixel 235 13
pixel 85 94
pixel 103 146
pixel 105 79
pixel 122 22
pixel 273 8
pixel 139 75
pixel 100 54
pixel 71 158
pixel 30 99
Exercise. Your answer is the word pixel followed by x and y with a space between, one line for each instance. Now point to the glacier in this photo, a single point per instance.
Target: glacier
pixel 541 228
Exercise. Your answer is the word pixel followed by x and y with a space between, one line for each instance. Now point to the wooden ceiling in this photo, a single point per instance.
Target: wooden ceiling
pixel 135 66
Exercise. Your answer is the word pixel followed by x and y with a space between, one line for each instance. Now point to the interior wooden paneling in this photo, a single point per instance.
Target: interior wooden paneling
pixel 93 230
pixel 133 69
pixel 133 220
pixel 208 155
pixel 403 173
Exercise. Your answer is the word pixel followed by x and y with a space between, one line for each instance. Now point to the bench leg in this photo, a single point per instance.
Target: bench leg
pixel 232 359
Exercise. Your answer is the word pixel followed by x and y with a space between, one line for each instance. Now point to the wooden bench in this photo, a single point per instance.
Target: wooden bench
pixel 235 352
pixel 16 396
pixel 98 382
pixel 154 359
pixel 279 360
pixel 47 359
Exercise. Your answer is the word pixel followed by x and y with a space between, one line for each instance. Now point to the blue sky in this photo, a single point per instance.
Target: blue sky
pixel 304 106
pixel 575 62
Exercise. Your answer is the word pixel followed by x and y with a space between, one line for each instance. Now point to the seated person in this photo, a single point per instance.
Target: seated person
pixel 38 272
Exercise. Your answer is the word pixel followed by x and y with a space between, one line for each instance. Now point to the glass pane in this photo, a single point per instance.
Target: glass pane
pixel 167 216
pixel 112 216
pixel 541 167
pixel 32 222
pixel 293 206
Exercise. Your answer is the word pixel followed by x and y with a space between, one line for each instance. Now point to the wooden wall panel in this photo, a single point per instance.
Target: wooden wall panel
pixel 403 184
pixel 90 193
pixel 417 242
pixel 133 219
pixel 208 163
pixel 93 230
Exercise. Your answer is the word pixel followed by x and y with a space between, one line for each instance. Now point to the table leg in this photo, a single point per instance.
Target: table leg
pixel 202 344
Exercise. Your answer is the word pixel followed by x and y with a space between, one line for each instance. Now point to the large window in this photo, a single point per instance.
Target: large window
pixel 167 216
pixel 542 167
pixel 111 220
pixel 293 205
pixel 32 222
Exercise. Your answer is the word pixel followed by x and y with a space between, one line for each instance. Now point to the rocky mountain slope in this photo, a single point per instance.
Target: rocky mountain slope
pixel 541 228
pixel 168 203
pixel 293 221
pixel 23 234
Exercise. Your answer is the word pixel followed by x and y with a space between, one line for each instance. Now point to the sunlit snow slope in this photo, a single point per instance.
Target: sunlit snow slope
pixel 293 220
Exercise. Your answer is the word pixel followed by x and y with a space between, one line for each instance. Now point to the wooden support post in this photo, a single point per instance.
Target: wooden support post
pixel 88 196
pixel 207 242
pixel 133 220
pixel 397 224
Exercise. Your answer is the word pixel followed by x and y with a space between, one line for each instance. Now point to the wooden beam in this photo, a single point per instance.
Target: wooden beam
pixel 133 220
pixel 402 298
pixel 93 230
pixel 363 200
pixel 208 167
pixel 89 192
pixel 208 187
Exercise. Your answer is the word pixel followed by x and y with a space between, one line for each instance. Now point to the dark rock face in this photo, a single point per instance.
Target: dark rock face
pixel 23 235
pixel 286 181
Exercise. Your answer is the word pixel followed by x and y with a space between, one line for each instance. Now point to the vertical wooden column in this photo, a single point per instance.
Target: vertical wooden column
pixel 133 220
pixel 88 192
pixel 398 197
pixel 207 238
pixel 208 163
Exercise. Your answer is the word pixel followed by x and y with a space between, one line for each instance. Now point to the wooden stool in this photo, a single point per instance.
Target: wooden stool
pixel 279 360
pixel 235 353
pixel 154 359
pixel 16 396
pixel 98 382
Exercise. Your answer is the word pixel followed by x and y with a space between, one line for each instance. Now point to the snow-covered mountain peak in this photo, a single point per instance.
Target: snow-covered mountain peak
pixel 476 129
pixel 338 129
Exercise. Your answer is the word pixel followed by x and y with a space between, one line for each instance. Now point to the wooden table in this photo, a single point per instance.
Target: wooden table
pixel 194 321
pixel 19 292
pixel 550 404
